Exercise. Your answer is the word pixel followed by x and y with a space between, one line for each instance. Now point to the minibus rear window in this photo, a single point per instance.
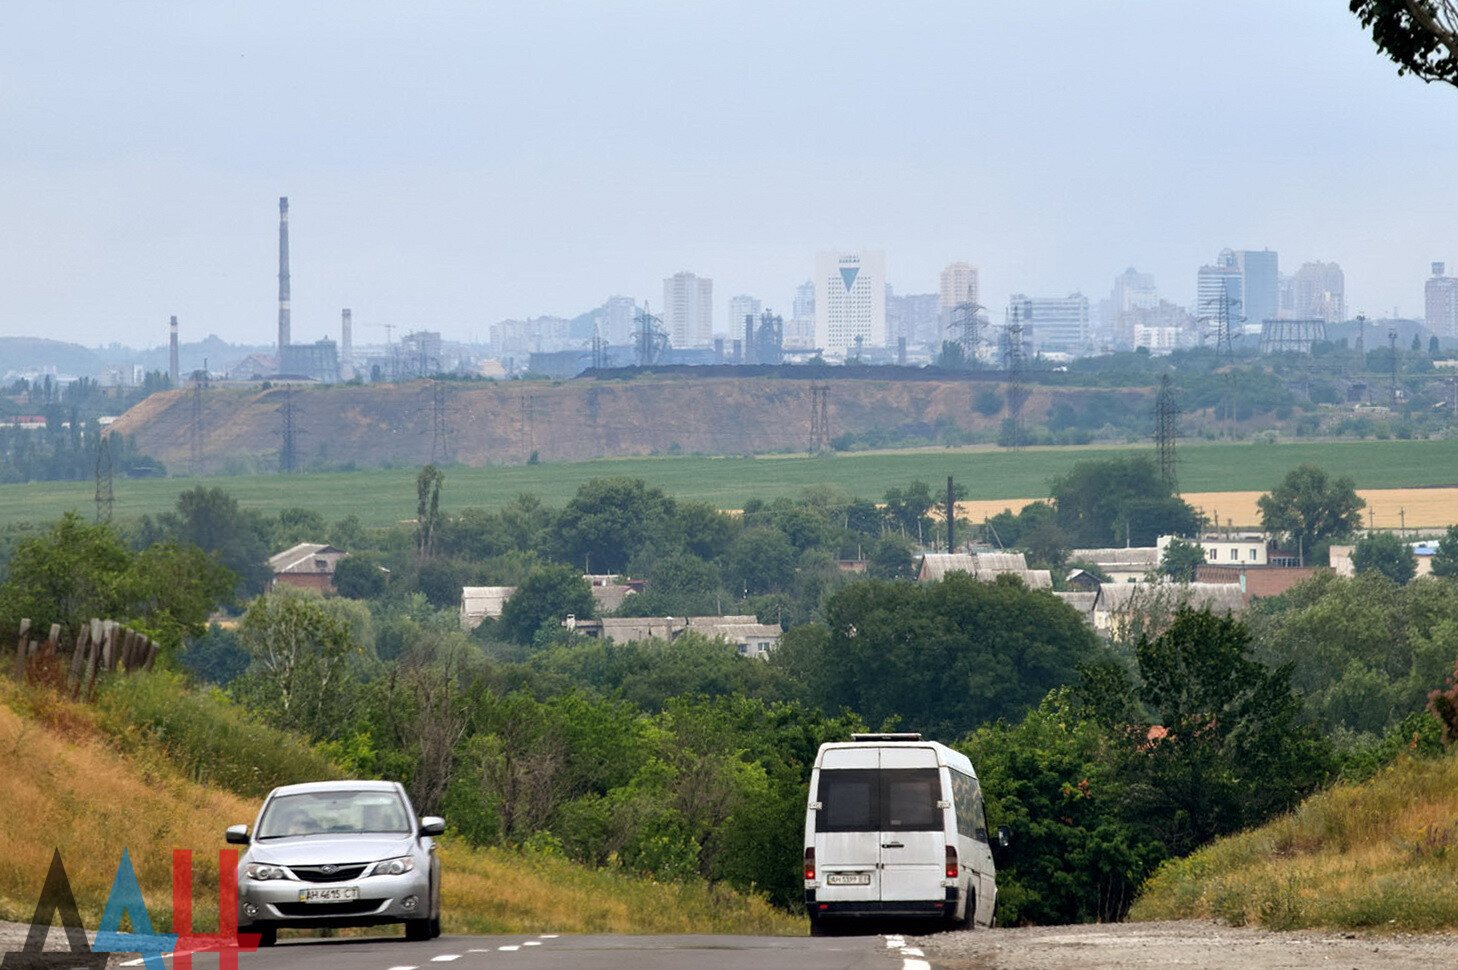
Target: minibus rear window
pixel 879 800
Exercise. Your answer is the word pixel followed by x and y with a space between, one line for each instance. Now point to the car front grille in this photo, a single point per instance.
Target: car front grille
pixel 353 907
pixel 317 873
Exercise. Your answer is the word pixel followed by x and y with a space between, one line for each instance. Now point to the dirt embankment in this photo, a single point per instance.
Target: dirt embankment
pixel 1187 945
pixel 230 428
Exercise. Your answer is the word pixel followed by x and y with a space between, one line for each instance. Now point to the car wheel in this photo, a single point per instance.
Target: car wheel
pixel 818 927
pixel 267 935
pixel 435 928
pixel 417 930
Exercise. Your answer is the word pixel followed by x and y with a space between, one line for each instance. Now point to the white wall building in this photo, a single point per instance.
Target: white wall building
pixel 959 284
pixel 740 307
pixel 1053 324
pixel 688 310
pixel 850 300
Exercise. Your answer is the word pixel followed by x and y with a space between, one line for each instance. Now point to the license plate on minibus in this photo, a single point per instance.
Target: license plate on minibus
pixel 334 894
pixel 848 879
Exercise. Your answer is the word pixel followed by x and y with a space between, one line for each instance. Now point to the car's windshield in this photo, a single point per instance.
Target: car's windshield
pixel 310 813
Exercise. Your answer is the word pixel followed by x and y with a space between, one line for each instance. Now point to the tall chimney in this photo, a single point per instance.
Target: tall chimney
pixel 283 273
pixel 174 372
pixel 346 337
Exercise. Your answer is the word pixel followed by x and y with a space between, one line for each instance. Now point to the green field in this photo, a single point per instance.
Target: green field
pixel 382 497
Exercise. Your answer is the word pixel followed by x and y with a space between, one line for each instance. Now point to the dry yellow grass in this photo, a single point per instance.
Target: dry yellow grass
pixel 1383 854
pixel 63 786
pixel 1389 508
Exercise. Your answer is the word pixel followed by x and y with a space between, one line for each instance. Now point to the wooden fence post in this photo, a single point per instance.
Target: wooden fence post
pixel 20 651
pixel 74 675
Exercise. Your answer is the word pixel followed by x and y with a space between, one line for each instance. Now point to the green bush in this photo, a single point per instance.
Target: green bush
pixel 206 737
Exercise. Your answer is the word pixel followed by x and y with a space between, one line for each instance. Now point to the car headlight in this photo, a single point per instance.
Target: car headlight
pixel 394 867
pixel 263 872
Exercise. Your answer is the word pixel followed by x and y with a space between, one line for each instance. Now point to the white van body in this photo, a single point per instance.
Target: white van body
pixel 895 828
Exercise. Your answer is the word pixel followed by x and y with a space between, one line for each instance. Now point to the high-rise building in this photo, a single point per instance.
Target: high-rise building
pixel 800 330
pixel 958 285
pixel 917 317
pixel 1132 291
pixel 1440 303
pixel 740 307
pixel 1218 291
pixel 850 300
pixel 1260 282
pixel 1053 324
pixel 688 310
pixel 1316 291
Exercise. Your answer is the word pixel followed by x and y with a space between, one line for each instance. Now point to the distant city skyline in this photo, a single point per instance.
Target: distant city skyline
pixel 441 178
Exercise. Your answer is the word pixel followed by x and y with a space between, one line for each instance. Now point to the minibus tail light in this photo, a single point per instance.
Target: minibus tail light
pixel 953 868
pixel 810 863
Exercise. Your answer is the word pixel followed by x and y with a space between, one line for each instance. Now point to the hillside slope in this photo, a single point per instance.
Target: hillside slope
pixel 1381 854
pixel 506 422
pixel 66 786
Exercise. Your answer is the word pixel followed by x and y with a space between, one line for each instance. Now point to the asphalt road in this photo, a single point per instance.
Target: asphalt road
pixel 571 952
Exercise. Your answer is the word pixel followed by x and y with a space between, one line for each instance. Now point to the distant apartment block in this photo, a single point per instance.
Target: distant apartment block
pixel 1053 324
pixel 917 317
pixel 1133 291
pixel 688 310
pixel 958 285
pixel 1218 294
pixel 1260 285
pixel 850 301
pixel 740 307
pixel 1440 303
pixel 800 328
pixel 1316 291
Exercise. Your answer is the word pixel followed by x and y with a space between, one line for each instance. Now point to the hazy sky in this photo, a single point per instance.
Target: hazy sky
pixel 455 162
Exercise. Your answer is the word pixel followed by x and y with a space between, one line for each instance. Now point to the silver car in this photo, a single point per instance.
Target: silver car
pixel 338 853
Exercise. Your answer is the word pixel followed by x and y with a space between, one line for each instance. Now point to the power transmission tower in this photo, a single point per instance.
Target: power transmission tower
pixel 652 340
pixel 195 426
pixel 1013 360
pixel 288 456
pixel 439 425
pixel 1166 430
pixel 599 349
pixel 528 408
pixel 1392 342
pixel 103 478
pixel 966 327
pixel 819 419
pixel 1221 313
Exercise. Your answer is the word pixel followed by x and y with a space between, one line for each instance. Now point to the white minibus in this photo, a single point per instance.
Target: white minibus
pixel 894 828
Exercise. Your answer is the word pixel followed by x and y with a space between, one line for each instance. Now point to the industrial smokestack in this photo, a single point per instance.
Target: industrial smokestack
pixel 174 372
pixel 346 337
pixel 283 273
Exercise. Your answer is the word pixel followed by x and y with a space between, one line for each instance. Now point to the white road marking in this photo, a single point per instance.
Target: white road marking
pixel 487 950
pixel 532 943
pixel 549 936
pixel 911 951
pixel 895 942
pixel 132 963
pixel 915 965
pixel 512 947
pixel 404 968
pixel 445 958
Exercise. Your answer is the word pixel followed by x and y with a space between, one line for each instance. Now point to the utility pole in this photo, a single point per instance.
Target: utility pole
pixel 819 419
pixel 1013 357
pixel 288 459
pixel 103 478
pixel 951 516
pixel 1392 342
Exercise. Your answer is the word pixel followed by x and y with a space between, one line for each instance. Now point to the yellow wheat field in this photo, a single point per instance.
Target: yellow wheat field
pixel 1387 508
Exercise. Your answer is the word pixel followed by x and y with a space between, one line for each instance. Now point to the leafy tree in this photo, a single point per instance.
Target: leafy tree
pixel 906 508
pixel 1420 36
pixel 1363 651
pixel 297 525
pixel 541 603
pixel 299 653
pixel 942 657
pixel 892 557
pixel 1445 558
pixel 171 589
pixel 759 561
pixel 1119 499
pixel 611 520
pixel 1387 554
pixel 1309 507
pixel 1180 560
pixel 215 657
pixel 427 513
pixel 1229 749
pixel 360 576
pixel 66 576
pixel 987 402
pixel 211 519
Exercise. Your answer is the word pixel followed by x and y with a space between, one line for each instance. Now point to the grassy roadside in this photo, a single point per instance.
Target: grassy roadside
pixel 72 780
pixel 1381 855
pixel 383 497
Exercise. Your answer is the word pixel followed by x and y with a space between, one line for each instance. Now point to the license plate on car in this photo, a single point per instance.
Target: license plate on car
pixel 334 894
pixel 848 879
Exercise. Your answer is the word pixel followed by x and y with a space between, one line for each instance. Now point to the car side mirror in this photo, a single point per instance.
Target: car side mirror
pixel 236 835
pixel 432 825
pixel 1004 836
